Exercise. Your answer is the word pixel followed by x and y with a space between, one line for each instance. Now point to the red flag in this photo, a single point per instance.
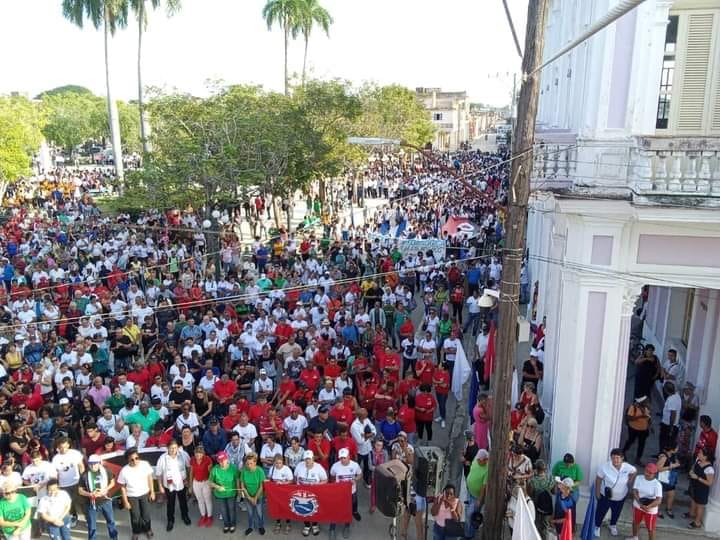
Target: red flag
pixel 490 353
pixel 323 503
pixel 567 530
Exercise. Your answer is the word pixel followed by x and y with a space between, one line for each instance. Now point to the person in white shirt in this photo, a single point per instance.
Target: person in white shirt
pixel 69 465
pixel 295 424
pixel 308 472
pixel 39 473
pixel 171 472
pixel 54 509
pixel 346 470
pixel 670 415
pixel 612 484
pixel 189 419
pixel 280 474
pixel 269 451
pixel 246 430
pixel 647 495
pixel 364 432
pixel 107 421
pixel 137 488
pixel 137 438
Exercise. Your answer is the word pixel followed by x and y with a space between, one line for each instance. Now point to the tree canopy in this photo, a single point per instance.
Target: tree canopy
pixel 20 136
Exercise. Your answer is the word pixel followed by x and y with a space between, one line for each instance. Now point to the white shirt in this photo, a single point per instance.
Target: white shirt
pixel 67 466
pixel 247 433
pixel 357 430
pixel 135 478
pixel 283 475
pixel 672 403
pixel 267 452
pixel 54 507
pixel 172 471
pixel 315 475
pixel 616 480
pixel 39 474
pixel 346 473
pixel 650 489
pixel 482 344
pixel 139 442
pixel 295 427
pixel 451 343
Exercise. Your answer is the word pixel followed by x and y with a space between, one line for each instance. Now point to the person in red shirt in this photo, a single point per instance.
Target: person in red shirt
pixel 406 417
pixel 332 369
pixel 287 389
pixel 310 376
pixel 407 330
pixel 366 391
pixel 232 418
pixel 140 375
pixel 408 384
pixel 350 402
pixel 441 384
pixel 343 440
pixel 320 447
pixel 516 416
pixel 383 401
pixel 425 369
pixel 391 362
pixel 259 410
pixel 223 392
pixel 93 439
pixel 425 405
pixel 243 405
pixel 283 331
pixel 342 414
pixel 708 436
pixel 155 368
pixel 200 466
pixel 271 424
pixel 160 437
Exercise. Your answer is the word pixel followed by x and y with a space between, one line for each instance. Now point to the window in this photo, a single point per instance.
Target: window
pixel 438 116
pixel 668 71
pixel 687 319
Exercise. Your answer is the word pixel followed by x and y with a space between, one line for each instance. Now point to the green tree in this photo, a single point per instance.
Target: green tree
pixel 394 112
pixel 65 89
pixel 73 119
pixel 111 14
pixel 310 14
pixel 285 13
pixel 20 137
pixel 139 7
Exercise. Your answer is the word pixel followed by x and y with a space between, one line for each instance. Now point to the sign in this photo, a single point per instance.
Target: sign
pixel 321 503
pixel 411 246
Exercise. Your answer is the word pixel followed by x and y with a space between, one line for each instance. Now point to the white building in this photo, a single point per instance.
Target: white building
pixel 627 193
pixel 450 113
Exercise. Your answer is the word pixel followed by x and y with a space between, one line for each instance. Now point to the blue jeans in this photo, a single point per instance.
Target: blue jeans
pixel 91 513
pixel 255 515
pixel 228 510
pixel 59 533
pixel 474 320
pixel 470 507
pixel 442 404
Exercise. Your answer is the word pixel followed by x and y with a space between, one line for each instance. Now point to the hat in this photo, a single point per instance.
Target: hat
pixel 326 322
pixel 568 482
pixel 221 456
pixel 651 468
pixel 64 401
pixel 308 454
pixel 94 459
pixel 482 454
pixel 343 452
pixel 263 371
pixel 534 353
pixel 402 434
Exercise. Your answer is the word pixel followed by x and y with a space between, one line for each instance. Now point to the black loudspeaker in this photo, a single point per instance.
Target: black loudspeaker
pixel 392 481
pixel 429 465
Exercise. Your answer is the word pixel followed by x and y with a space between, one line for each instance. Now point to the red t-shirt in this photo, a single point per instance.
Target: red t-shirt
pixel 381 407
pixel 230 422
pixel 311 378
pixel 283 332
pixel 257 412
pixel 91 446
pixel 427 375
pixel 425 400
pixel 406 417
pixel 441 382
pixel 332 370
pixel 348 442
pixel 343 415
pixel 225 389
pixel 201 470
pixel 141 377
pixel 406 385
pixel 325 446
pixel 288 389
pixel 407 328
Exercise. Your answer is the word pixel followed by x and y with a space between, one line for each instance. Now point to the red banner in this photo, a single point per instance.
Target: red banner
pixel 322 503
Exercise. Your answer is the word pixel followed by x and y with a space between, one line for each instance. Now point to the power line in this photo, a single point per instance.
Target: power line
pixel 512 29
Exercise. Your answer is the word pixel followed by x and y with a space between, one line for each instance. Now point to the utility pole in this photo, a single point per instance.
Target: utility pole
pixel 515 225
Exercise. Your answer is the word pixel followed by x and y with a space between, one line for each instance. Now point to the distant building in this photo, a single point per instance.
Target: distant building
pixel 450 113
pixel 483 119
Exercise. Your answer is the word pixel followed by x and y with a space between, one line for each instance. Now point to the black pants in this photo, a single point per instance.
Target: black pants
pixel 364 462
pixel 422 426
pixel 140 514
pixel 408 363
pixel 181 496
pixel 668 435
pixel 641 437
pixel 457 311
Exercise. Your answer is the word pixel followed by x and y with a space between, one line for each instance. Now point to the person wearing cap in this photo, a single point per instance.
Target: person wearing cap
pixel 564 503
pixel 15 513
pixel 637 417
pixel 54 509
pixel 224 480
pixel 137 490
pixel 476 483
pixel 95 484
pixel 171 472
pixel 567 468
pixel 308 472
pixel 646 496
pixel 612 484
pixel 346 470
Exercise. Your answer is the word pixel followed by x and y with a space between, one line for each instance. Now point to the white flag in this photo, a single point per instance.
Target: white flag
pixel 523 520
pixel 461 372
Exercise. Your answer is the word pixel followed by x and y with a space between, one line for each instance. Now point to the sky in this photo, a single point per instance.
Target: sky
pixel 452 44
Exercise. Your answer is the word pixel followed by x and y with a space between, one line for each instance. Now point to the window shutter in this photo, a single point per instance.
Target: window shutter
pixel 715 98
pixel 696 73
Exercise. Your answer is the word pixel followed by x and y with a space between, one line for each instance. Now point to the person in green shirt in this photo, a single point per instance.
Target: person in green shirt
pixel 146 417
pixel 251 484
pixel 224 481
pixel 116 401
pixel 476 485
pixel 444 329
pixel 567 468
pixel 15 512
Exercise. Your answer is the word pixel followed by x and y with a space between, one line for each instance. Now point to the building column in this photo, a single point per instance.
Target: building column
pixel 712 407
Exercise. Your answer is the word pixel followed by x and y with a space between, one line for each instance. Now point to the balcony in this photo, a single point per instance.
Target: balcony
pixel 644 166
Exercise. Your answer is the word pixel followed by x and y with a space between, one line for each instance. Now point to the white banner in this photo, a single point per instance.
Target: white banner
pixel 411 246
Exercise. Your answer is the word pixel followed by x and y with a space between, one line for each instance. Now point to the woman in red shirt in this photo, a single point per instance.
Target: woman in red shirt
pixel 425 405
pixel 383 401
pixel 406 417
pixel 200 466
pixel 441 383
pixel 424 368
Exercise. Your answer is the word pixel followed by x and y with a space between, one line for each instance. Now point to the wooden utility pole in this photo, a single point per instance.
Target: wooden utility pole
pixel 515 225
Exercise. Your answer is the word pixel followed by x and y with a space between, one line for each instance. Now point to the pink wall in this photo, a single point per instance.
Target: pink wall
pixel 679 250
pixel 696 340
pixel 591 368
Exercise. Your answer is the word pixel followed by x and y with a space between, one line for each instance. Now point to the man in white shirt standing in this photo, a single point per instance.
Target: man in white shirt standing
pixel 670 415
pixel 54 510
pixel 346 470
pixel 69 465
pixel 171 472
pixel 364 432
pixel 137 490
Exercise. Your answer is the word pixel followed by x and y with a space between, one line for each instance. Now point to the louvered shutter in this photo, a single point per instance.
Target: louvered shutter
pixel 696 73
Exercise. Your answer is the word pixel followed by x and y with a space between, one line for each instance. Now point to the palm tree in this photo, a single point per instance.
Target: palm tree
pixel 286 13
pixel 311 13
pixel 139 8
pixel 111 14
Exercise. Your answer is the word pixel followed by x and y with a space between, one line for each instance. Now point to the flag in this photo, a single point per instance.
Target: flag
pixel 589 522
pixel 567 529
pixel 474 391
pixel 523 523
pixel 490 354
pixel 461 371
pixel 514 392
pixel 322 503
